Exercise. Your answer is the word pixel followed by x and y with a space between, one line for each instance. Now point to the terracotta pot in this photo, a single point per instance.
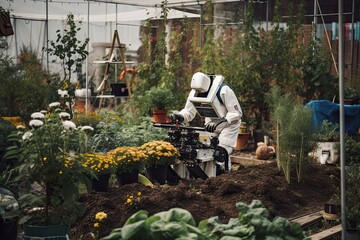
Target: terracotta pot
pixel 242 140
pixel 160 116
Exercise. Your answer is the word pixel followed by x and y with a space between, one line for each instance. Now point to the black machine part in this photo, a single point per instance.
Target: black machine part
pixel 221 155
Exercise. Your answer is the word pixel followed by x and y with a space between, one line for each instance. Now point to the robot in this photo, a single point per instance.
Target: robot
pixel 201 154
pixel 196 148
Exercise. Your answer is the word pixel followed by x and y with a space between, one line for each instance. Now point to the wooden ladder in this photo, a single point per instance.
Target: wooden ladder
pixel 105 84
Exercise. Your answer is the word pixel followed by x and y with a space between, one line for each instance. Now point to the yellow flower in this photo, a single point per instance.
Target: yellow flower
pixel 100 216
pixel 97 162
pixel 96 225
pixel 127 158
pixel 159 153
pixel 139 194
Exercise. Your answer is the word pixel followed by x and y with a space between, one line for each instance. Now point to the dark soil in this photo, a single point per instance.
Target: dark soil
pixel 216 196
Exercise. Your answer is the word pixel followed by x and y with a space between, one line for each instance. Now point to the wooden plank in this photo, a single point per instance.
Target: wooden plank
pixel 327 233
pixel 248 160
pixel 308 219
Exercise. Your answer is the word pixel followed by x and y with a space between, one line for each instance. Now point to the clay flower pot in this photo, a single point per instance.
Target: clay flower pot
pixel 160 115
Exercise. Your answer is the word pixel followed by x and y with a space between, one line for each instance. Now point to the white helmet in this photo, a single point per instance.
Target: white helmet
pixel 200 82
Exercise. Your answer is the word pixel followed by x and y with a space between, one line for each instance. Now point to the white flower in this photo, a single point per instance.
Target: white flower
pixel 36 123
pixel 27 135
pixel 54 104
pixel 63 93
pixel 84 128
pixel 69 125
pixel 64 115
pixel 43 111
pixel 37 115
pixel 20 127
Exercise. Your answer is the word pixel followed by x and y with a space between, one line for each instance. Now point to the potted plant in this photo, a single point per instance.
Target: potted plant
pixel 48 164
pixel 349 95
pixel 327 143
pixel 101 165
pixel 9 214
pixel 129 162
pixel 158 100
pixel 159 155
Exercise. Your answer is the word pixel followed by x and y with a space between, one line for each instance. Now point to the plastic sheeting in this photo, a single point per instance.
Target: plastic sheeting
pixel 326 110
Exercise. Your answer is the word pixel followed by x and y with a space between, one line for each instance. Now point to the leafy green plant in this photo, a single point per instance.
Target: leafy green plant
pixel 23 88
pixel 294 138
pixel 48 158
pixel 175 223
pixel 9 206
pixel 70 50
pixel 88 119
pixel 352 195
pixel 107 135
pixel 252 223
pixel 136 132
pixel 328 132
pixel 9 151
pixel 158 98
pixel 352 150
pixel 350 92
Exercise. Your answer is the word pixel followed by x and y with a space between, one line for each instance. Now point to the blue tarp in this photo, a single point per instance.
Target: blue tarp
pixel 326 110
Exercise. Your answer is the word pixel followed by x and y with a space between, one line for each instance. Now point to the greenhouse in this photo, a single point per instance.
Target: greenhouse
pixel 179 119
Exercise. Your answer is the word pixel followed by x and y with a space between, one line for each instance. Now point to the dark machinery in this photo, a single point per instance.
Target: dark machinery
pixel 196 147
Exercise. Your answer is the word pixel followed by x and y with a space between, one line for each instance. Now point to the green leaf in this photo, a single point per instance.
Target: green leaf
pixel 134 231
pixel 115 234
pixel 177 215
pixel 138 216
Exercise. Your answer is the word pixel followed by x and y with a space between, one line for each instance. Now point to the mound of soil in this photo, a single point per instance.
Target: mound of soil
pixel 215 196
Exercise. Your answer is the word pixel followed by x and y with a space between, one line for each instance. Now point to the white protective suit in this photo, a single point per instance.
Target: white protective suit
pixel 228 135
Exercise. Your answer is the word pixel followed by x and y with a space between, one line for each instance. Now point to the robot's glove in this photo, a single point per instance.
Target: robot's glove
pixel 176 118
pixel 216 124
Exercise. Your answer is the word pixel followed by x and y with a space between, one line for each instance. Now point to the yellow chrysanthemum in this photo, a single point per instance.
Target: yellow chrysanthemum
pixel 100 216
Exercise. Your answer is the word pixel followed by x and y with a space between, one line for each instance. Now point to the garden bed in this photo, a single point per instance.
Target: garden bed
pixel 215 196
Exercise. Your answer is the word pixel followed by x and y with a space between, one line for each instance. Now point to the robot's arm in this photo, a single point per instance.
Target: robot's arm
pixel 216 125
pixel 234 112
pixel 189 111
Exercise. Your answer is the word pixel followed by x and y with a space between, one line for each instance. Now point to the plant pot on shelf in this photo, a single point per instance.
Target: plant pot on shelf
pixel 160 115
pixel 242 140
